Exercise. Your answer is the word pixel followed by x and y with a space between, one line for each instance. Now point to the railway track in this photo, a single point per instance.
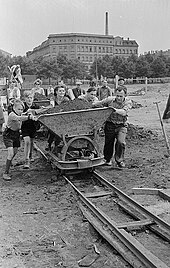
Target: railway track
pixel 122 221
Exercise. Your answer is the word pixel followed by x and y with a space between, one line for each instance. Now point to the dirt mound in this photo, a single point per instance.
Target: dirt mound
pixel 141 91
pixel 73 105
pixel 136 132
pixel 136 105
pixel 39 97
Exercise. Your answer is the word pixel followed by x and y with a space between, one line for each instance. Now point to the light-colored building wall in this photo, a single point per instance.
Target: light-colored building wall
pixel 85 47
pixel 5 53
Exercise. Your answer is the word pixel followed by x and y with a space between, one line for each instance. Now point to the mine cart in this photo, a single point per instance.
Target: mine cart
pixel 79 133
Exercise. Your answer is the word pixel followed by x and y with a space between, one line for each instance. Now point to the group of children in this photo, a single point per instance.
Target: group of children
pixel 21 121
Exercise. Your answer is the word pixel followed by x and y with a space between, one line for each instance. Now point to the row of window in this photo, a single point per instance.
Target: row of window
pixel 125 51
pixel 82 40
pixel 96 49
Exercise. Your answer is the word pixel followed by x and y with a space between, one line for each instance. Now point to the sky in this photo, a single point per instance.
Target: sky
pixel 25 24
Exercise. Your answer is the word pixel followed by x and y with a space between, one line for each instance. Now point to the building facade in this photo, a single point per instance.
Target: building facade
pixel 5 53
pixel 84 47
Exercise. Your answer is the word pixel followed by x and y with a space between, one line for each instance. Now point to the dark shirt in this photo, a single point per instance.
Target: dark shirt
pixel 103 92
pixel 76 92
pixel 30 124
pixel 166 113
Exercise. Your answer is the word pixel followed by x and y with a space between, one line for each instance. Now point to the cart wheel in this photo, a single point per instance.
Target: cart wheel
pixel 78 147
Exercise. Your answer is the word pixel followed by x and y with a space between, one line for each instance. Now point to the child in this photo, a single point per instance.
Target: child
pixel 60 97
pixel 29 126
pixel 11 134
pixel 2 120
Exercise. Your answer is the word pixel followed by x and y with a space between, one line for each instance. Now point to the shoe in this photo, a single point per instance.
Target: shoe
pixel 121 164
pixel 6 177
pixel 27 164
pixel 108 163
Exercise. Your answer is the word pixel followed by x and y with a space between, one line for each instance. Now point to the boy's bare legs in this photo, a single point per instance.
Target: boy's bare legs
pixel 27 147
pixel 11 153
pixel 31 148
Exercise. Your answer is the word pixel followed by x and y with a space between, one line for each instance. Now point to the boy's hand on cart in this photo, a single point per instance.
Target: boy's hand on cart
pixel 114 109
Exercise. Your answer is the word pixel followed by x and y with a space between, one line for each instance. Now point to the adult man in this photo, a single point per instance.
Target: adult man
pixel 116 126
pixel 90 95
pixel 104 91
pixel 77 91
pixel 121 83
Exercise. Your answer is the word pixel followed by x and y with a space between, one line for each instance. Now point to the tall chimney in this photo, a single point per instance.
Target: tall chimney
pixel 106 29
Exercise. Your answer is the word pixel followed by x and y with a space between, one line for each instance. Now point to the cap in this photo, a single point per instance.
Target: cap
pixel 38 82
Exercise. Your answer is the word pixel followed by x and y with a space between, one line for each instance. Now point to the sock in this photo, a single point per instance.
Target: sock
pixel 8 164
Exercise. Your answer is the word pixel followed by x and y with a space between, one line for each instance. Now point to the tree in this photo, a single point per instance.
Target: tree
pixel 158 67
pixel 143 68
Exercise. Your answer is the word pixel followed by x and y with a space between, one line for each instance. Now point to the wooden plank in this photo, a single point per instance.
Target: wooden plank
pixel 165 194
pixel 97 194
pixel 136 215
pixel 151 191
pixel 113 241
pixel 135 224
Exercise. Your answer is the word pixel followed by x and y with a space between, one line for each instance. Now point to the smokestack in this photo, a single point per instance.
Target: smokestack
pixel 106 29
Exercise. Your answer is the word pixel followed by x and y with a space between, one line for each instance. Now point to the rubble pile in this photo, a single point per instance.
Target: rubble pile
pixel 141 91
pixel 39 97
pixel 136 105
pixel 73 105
pixel 136 132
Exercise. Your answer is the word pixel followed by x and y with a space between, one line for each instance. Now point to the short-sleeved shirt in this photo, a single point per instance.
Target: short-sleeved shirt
pixel 104 92
pixel 38 90
pixel 116 118
pixel 14 122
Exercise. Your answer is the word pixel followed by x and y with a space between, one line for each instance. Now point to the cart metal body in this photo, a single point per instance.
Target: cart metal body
pixel 78 130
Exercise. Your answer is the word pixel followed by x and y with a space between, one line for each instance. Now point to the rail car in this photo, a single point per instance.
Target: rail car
pixel 79 132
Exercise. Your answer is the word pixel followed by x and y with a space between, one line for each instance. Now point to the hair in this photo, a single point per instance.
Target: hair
pixel 17 103
pixel 38 82
pixel 121 78
pixel 28 93
pixel 90 89
pixel 120 88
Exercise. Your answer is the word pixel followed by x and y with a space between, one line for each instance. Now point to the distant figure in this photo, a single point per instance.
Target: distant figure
pixel 77 91
pixel 16 76
pixel 104 91
pixel 2 120
pixel 166 114
pixel 90 95
pixel 13 92
pixel 121 83
pixel 37 87
pixel 50 91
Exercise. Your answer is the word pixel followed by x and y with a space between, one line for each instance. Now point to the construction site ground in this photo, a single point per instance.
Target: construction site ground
pixel 41 225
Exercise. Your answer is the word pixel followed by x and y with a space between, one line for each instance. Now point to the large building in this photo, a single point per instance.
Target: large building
pixel 85 47
pixel 5 53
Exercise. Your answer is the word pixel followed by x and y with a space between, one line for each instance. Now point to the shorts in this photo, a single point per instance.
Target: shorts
pixel 29 132
pixel 11 138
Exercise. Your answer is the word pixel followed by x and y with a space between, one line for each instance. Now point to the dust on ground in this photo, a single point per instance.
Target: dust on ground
pixel 41 224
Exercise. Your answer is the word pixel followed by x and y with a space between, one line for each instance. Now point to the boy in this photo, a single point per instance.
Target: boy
pixel 11 134
pixel 29 126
